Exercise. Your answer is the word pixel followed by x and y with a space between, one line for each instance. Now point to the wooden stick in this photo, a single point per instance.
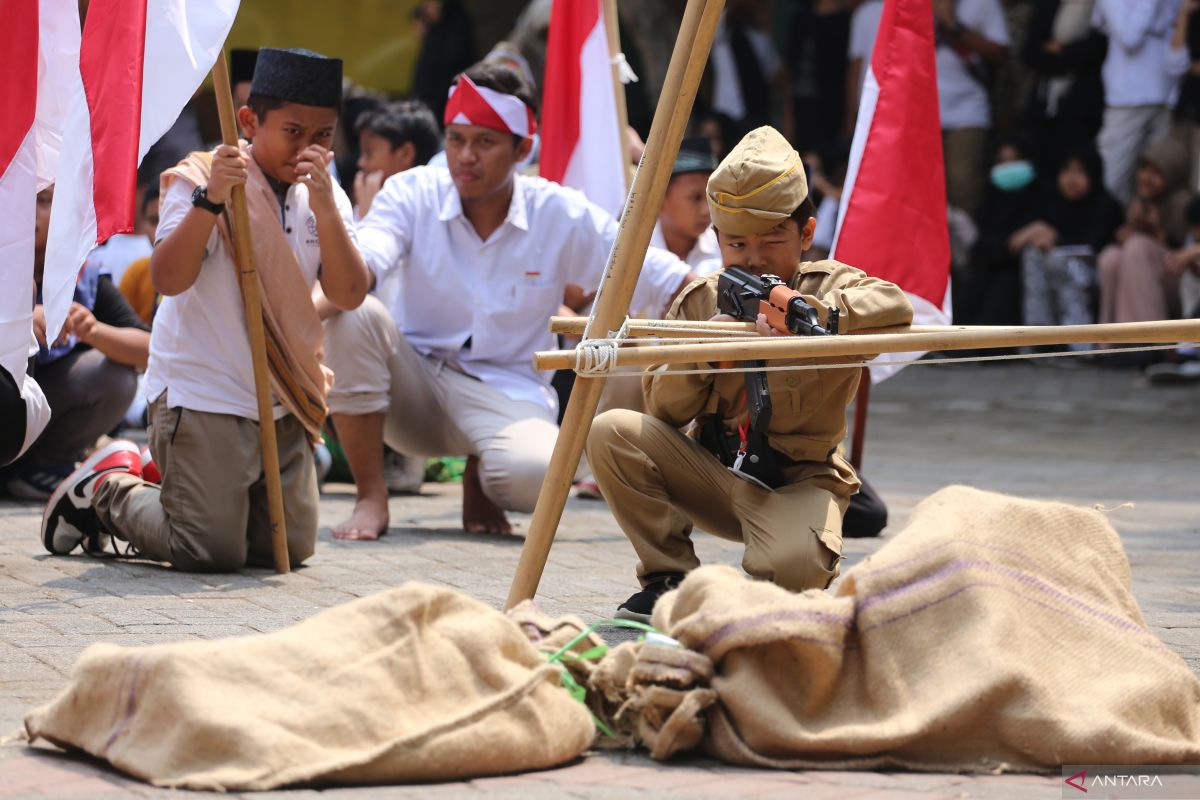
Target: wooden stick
pixel 683 329
pixel 616 290
pixel 612 28
pixel 861 399
pixel 239 231
pixel 793 347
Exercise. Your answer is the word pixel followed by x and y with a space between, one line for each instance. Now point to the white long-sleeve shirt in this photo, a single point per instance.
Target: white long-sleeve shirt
pixel 484 304
pixel 1141 68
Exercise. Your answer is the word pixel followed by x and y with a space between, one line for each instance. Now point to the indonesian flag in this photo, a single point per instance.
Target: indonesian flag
pixel 581 144
pixel 140 61
pixel 892 220
pixel 40 40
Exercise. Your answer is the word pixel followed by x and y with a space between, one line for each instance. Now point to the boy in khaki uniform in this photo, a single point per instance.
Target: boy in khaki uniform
pixel 660 481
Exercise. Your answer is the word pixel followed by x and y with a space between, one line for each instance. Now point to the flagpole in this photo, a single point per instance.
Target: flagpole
pixel 239 232
pixel 861 399
pixel 612 28
pixel 691 51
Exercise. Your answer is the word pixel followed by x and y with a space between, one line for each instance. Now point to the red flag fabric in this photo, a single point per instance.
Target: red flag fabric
pixel 581 145
pixel 139 62
pixel 892 221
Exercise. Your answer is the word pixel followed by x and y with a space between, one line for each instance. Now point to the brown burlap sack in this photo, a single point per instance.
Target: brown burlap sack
pixel 991 633
pixel 415 684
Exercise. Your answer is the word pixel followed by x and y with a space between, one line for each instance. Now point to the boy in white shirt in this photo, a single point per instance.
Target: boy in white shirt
pixel 210 512
pixel 486 254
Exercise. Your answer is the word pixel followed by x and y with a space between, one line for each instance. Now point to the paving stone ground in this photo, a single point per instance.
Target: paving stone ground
pixel 1088 436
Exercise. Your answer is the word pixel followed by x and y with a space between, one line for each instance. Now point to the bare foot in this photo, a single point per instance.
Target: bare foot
pixel 480 514
pixel 368 522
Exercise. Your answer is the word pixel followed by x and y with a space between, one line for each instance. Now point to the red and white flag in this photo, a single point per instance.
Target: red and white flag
pixel 140 61
pixel 581 140
pixel 892 220
pixel 40 40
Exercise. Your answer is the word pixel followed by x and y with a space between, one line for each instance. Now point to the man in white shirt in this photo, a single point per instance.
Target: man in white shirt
pixel 486 254
pixel 972 38
pixel 1141 78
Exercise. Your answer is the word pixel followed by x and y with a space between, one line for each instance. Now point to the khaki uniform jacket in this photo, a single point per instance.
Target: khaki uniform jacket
pixel 808 419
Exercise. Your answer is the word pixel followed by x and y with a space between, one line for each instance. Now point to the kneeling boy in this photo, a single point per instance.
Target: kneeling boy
pixel 660 481
pixel 210 512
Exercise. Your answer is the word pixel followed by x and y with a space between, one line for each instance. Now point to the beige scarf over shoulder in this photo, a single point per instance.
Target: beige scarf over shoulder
pixel 293 329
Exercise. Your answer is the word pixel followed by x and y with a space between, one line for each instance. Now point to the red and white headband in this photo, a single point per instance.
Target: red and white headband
pixel 471 104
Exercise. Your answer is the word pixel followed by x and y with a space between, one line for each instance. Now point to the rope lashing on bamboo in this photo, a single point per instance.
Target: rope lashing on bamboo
pixel 601 355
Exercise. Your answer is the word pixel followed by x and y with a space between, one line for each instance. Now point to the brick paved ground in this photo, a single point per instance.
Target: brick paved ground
pixel 1087 436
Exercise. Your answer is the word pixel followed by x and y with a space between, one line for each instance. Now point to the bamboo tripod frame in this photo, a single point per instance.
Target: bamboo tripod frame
pixel 620 277
pixel 239 230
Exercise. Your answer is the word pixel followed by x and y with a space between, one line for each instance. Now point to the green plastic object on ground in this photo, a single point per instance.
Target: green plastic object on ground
pixel 437 470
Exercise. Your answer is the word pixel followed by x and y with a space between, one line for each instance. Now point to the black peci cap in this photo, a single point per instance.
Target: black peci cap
pixel 298 76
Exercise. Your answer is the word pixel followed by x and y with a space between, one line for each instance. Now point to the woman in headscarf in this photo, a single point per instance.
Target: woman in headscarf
pixel 1076 218
pixel 1135 284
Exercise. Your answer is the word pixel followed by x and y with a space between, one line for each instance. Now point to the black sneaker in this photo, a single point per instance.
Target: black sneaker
pixel 640 605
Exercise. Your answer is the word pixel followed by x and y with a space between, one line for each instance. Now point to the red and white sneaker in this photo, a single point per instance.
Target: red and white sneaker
pixel 150 472
pixel 588 489
pixel 69 518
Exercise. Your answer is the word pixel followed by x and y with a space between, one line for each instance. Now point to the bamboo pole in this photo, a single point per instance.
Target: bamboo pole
pixel 793 347
pixel 612 28
pixel 861 399
pixel 239 231
pixel 682 328
pixel 620 277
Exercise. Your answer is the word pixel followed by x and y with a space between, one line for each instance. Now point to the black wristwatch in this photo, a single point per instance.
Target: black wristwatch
pixel 200 200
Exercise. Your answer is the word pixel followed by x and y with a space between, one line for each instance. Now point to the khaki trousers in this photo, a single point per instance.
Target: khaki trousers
pixel 210 513
pixel 433 409
pixel 966 167
pixel 659 482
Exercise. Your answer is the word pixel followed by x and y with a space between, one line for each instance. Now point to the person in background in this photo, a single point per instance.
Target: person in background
pixel 745 68
pixel 816 72
pixel 486 254
pixel 1066 102
pixel 136 284
pixel 684 225
pixel 88 374
pixel 1183 365
pixel 1135 283
pixel 392 139
pixel 1141 74
pixel 241 73
pixel 988 292
pixel 1075 219
pixel 972 40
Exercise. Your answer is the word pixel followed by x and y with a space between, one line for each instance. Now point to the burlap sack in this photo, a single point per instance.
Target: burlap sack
pixel 415 684
pixel 991 633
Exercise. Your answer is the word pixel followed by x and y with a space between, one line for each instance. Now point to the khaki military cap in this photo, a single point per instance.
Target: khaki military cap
pixel 758 185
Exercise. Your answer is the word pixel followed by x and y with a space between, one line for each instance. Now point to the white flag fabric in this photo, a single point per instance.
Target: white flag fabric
pixel 140 61
pixel 40 40
pixel 581 144
pixel 892 220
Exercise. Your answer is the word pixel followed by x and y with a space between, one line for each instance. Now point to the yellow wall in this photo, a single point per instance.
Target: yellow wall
pixel 375 38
